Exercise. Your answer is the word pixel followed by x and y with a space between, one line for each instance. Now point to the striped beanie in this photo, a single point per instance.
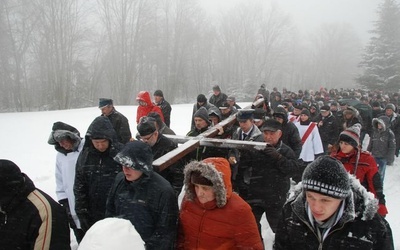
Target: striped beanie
pixel 327 176
pixel 351 135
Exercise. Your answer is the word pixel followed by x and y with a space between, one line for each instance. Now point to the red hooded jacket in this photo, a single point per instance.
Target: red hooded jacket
pixel 144 96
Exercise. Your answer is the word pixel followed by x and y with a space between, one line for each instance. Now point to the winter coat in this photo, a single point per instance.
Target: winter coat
pixel 196 107
pixel 218 100
pixel 382 144
pixel 121 126
pixel 328 130
pixel 166 110
pixel 95 173
pixel 227 222
pixel 366 171
pixel 360 227
pixel 395 127
pixel 65 165
pixel 291 137
pixel 312 145
pixel 31 220
pixel 144 96
pixel 149 203
pixel 174 173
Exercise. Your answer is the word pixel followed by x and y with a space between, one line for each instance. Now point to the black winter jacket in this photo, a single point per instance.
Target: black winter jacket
pixel 31 219
pixel 95 174
pixel 121 126
pixel 360 227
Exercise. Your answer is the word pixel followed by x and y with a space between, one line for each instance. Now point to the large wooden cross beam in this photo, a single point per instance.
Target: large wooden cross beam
pixel 205 139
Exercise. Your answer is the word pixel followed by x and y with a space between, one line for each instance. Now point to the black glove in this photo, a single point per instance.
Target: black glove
pixel 64 203
pixel 270 151
pixel 85 222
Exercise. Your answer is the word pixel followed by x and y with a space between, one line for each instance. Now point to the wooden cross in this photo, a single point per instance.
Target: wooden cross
pixel 206 139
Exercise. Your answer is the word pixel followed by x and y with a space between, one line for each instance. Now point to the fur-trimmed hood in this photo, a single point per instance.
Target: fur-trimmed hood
pixel 383 120
pixel 360 203
pixel 215 169
pixel 62 130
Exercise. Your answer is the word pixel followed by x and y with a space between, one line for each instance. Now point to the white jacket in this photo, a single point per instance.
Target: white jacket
pixel 313 145
pixel 65 177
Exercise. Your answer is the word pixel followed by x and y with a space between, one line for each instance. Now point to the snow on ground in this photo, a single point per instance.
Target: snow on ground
pixel 24 141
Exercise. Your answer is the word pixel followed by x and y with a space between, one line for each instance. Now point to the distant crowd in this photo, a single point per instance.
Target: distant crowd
pixel 301 158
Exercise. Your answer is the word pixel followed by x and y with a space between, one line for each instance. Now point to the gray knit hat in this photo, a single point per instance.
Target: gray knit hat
pixel 327 176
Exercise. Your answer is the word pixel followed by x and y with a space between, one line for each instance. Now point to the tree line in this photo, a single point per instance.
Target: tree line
pixel 61 54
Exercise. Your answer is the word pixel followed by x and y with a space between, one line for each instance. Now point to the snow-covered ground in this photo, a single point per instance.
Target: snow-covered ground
pixel 24 141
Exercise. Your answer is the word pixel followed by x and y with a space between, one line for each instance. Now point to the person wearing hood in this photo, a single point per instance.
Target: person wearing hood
pixel 146 106
pixel 144 197
pixel 68 143
pixel 212 216
pixel 330 209
pixel 361 164
pixel 29 218
pixel 382 144
pixel 95 171
pixel 394 119
pixel 201 102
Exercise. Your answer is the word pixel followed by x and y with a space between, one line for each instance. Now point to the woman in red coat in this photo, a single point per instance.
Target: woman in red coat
pixel 361 164
pixel 146 106
pixel 212 216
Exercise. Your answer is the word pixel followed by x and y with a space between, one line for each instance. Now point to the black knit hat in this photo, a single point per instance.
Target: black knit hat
pixel 305 112
pixel 351 135
pixel 11 178
pixel 203 114
pixel 201 98
pixel 327 176
pixel 158 93
pixel 146 126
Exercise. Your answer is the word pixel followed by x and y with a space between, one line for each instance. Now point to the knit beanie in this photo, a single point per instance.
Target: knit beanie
pixel 305 112
pixel 327 176
pixel 201 98
pixel 203 114
pixel 146 126
pixel 390 106
pixel 351 135
pixel 158 93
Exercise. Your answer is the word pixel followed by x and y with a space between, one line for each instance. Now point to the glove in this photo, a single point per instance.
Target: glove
pixel 271 152
pixel 85 222
pixel 382 210
pixel 64 203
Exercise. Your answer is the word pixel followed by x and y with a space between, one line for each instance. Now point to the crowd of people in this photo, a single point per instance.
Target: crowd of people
pixel 310 177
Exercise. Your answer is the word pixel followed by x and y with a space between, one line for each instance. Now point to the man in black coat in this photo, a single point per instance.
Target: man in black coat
pixel 264 179
pixel 95 172
pixel 164 106
pixel 144 197
pixel 161 145
pixel 119 121
pixel 218 98
pixel 328 128
pixel 29 218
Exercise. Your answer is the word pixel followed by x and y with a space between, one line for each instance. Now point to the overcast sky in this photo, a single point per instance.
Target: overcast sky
pixel 309 14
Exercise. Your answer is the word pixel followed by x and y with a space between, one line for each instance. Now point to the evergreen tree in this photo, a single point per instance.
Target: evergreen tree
pixel 381 60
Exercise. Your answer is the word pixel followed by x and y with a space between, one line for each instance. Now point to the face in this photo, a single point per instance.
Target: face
pixel 150 139
pixel 142 103
pixel 322 206
pixel 101 144
pixel 230 102
pixel 204 193
pixel 246 125
pixel 131 174
pixel 225 111
pixel 200 123
pixel 216 92
pixel 214 120
pixel 380 126
pixel 333 107
pixel 296 111
pixel 67 144
pixel 345 147
pixel 324 113
pixel 106 110
pixel 200 104
pixel 388 112
pixel 157 99
pixel 272 137
pixel 280 120
pixel 303 117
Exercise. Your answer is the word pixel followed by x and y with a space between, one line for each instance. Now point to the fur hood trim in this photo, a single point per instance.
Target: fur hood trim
pixel 215 169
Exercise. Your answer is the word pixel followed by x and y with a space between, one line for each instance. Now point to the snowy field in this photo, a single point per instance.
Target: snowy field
pixel 24 137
